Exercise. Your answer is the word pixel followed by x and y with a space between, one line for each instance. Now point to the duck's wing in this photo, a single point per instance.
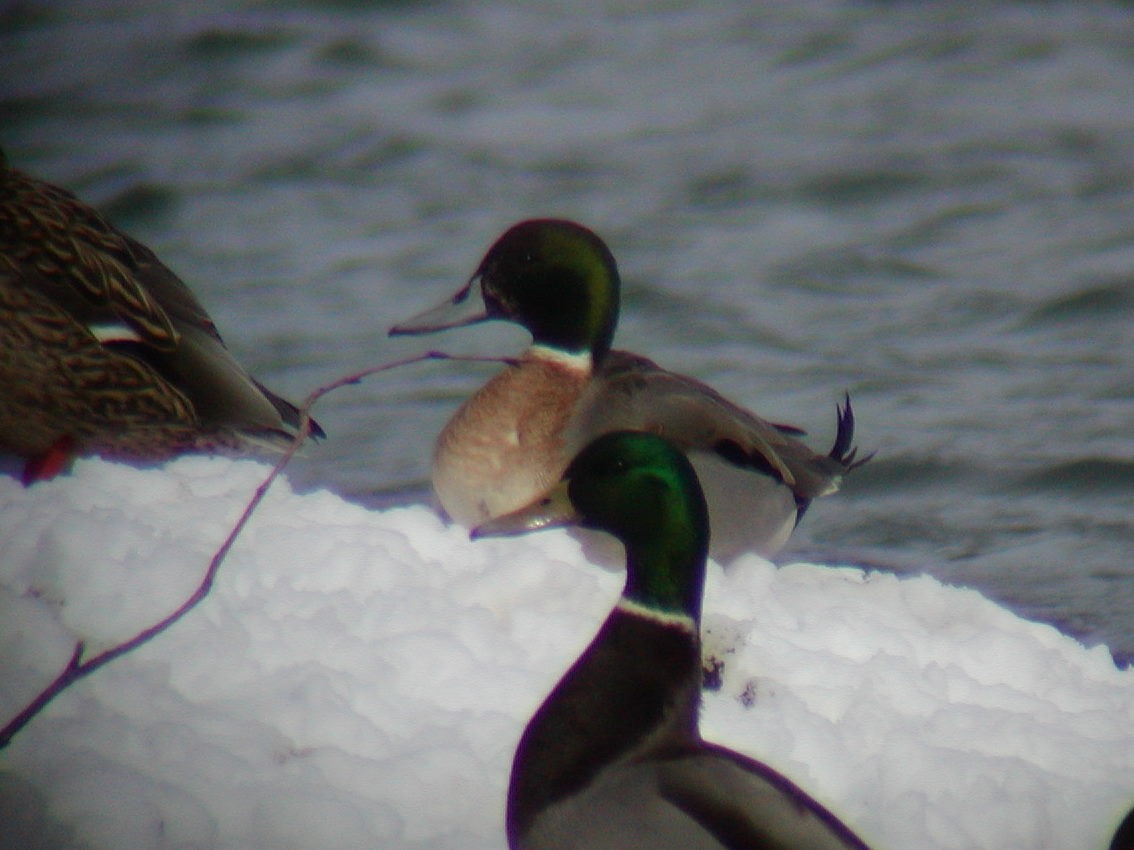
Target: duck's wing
pixel 117 290
pixel 746 805
pixel 80 261
pixel 227 393
pixel 629 391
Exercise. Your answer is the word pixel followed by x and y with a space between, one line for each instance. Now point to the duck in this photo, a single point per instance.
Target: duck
pixel 105 351
pixel 613 758
pixel 514 436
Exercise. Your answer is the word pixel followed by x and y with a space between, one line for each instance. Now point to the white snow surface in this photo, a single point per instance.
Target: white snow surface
pixel 359 679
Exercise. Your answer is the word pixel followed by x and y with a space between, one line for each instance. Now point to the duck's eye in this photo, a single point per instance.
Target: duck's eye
pixel 615 466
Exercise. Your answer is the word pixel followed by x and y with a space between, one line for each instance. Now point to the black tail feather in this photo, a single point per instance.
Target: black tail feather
pixel 843 451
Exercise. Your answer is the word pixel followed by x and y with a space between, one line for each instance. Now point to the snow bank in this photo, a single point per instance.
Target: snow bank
pixel 358 679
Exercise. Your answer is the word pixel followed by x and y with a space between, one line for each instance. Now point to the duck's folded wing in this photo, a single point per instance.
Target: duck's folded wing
pixel 79 260
pixel 222 390
pixel 62 255
pixel 633 392
pixel 748 806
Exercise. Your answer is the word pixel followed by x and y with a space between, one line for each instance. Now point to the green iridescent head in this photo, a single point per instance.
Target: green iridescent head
pixel 555 277
pixel 640 488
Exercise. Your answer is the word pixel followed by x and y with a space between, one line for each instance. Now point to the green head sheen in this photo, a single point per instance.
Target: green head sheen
pixel 556 278
pixel 641 489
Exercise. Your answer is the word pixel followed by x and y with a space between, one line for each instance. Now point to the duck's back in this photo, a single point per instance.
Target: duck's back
pixel 708 800
pixel 754 473
pixel 101 344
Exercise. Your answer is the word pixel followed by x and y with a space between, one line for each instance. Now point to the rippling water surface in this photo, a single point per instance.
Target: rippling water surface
pixel 930 205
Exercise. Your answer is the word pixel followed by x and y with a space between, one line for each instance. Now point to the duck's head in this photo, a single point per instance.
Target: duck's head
pixel 555 277
pixel 640 488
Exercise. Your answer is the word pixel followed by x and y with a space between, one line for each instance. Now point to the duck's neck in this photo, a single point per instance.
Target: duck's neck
pixel 636 688
pixel 665 575
pixel 580 361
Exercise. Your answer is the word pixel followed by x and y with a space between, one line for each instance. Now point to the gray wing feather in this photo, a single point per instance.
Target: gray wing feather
pixel 634 392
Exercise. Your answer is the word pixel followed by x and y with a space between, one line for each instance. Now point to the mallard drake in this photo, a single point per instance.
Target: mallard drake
pixel 613 758
pixel 512 439
pixel 103 350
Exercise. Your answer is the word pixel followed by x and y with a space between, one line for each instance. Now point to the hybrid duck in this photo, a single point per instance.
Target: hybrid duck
pixel 512 439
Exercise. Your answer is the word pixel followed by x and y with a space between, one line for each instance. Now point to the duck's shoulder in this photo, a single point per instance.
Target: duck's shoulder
pixel 689 794
pixel 733 795
pixel 648 390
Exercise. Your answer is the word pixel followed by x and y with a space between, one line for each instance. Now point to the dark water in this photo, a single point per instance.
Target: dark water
pixel 930 205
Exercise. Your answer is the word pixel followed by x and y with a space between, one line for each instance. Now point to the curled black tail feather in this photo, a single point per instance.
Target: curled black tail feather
pixel 843 451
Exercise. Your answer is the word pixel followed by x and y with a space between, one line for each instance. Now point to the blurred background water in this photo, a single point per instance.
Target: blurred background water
pixel 929 205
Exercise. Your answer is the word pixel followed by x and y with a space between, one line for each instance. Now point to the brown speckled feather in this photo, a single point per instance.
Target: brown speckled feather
pixel 104 348
pixel 79 260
